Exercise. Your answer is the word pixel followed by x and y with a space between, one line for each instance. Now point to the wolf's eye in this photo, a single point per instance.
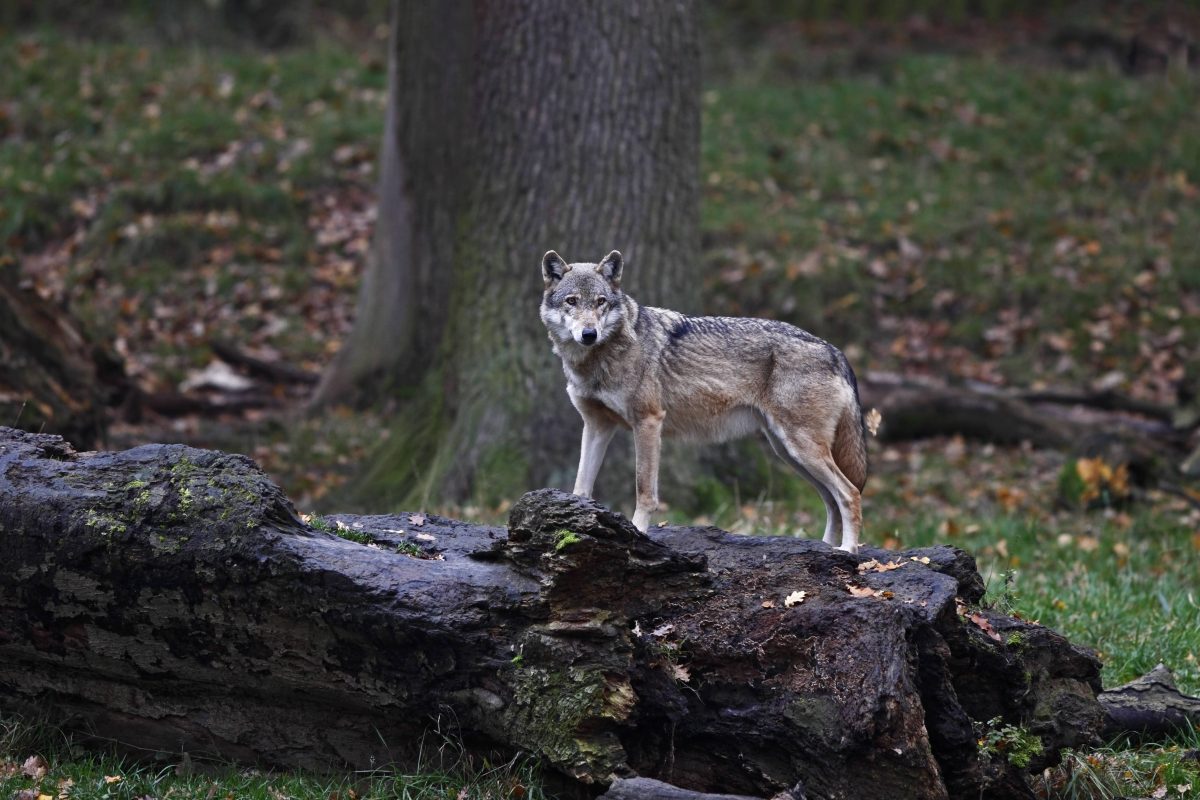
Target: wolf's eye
pixel 572 301
pixel 601 301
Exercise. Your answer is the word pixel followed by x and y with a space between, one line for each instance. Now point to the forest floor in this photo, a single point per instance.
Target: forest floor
pixel 989 211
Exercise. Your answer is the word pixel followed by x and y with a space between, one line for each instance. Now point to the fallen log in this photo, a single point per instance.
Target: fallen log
pixel 1150 705
pixel 52 376
pixel 916 409
pixel 169 598
pixel 650 789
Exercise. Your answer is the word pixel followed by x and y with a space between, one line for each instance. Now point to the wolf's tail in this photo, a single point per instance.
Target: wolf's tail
pixel 850 439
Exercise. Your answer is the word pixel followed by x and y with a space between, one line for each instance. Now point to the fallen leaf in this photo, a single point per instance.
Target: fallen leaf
pixel 35 767
pixel 860 591
pixel 981 622
pixel 217 375
pixel 794 599
pixel 680 673
pixel 868 566
pixel 919 559
pixel 768 603
pixel 110 779
pixel 425 537
pixel 417 520
pixel 662 630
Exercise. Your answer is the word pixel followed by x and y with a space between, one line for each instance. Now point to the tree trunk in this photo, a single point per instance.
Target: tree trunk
pixel 514 127
pixel 168 598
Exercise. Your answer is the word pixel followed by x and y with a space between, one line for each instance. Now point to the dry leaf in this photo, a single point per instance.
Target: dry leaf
pixel 416 519
pixel 981 622
pixel 425 537
pixel 868 566
pixel 35 767
pixel 680 673
pixel 768 603
pixel 794 599
pixel 872 419
pixel 112 779
pixel 860 591
pixel 919 559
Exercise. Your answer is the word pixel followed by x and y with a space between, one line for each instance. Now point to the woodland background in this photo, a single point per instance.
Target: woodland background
pixel 979 193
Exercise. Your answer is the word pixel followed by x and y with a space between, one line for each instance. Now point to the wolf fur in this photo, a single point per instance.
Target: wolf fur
pixel 707 379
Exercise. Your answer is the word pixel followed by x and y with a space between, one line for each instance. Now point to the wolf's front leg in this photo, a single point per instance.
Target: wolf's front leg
pixel 647 441
pixel 596 437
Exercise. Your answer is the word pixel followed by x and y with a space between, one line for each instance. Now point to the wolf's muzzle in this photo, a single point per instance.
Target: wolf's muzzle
pixel 588 336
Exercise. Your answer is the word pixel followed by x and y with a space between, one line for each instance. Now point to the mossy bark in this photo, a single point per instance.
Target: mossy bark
pixel 168 598
pixel 514 127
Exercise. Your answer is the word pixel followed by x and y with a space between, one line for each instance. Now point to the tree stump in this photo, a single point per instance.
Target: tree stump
pixel 169 598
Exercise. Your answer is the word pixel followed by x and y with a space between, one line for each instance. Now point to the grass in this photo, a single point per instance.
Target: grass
pixel 922 214
pixel 919 215
pixel 1126 769
pixel 187 178
pixel 442 772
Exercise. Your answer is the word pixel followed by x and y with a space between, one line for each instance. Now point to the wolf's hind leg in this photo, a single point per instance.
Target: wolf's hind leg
pixel 817 461
pixel 596 437
pixel 833 517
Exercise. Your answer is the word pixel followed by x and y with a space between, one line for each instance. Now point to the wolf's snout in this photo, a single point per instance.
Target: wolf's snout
pixel 588 336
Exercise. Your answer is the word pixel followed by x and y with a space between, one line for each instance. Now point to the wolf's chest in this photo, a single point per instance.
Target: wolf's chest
pixel 614 399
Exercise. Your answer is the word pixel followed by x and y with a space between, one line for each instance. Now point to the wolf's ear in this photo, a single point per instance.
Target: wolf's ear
pixel 553 268
pixel 610 267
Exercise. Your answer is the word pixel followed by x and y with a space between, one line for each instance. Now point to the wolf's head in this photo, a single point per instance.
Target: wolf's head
pixel 582 302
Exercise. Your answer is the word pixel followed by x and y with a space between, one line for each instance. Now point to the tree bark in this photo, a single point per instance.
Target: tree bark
pixel 650 789
pixel 52 377
pixel 1150 705
pixel 1145 438
pixel 168 598
pixel 514 127
pixel 914 409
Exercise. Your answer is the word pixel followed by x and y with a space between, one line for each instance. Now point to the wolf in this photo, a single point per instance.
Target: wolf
pixel 706 379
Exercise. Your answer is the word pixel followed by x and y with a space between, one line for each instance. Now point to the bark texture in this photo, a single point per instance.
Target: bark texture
pixel 52 377
pixel 168 598
pixel 1150 705
pixel 514 127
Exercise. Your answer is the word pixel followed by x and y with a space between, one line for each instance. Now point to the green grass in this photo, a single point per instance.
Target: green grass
pixel 182 176
pixel 951 214
pixel 1126 769
pixel 442 772
pixel 957 194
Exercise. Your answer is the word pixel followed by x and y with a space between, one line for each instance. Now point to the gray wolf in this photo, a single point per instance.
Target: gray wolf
pixel 708 379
